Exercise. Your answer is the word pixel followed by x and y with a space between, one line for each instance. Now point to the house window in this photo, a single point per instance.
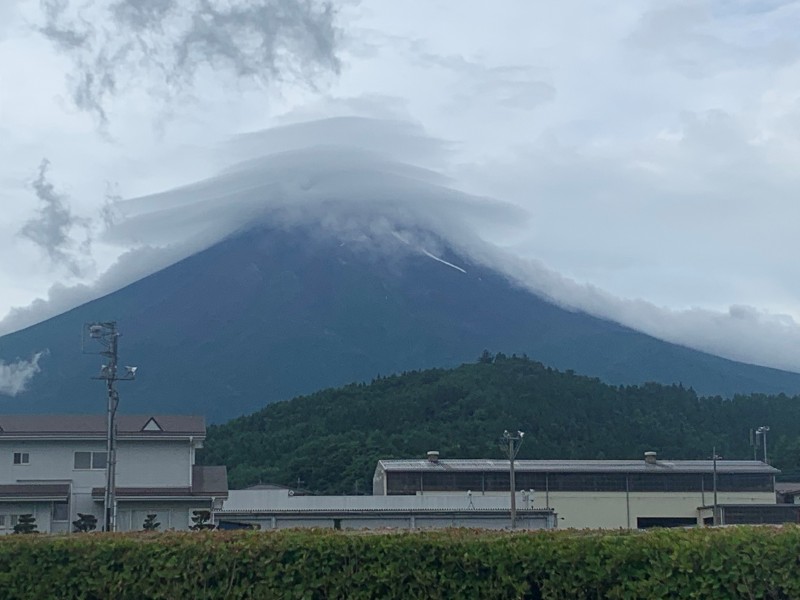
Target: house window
pixel 22 458
pixel 60 511
pixel 90 460
pixel 2 521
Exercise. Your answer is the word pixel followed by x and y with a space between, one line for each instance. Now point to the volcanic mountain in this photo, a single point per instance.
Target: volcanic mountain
pixel 270 313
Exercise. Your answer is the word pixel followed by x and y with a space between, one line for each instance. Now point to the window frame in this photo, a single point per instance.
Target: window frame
pixel 53 517
pixel 92 460
pixel 24 459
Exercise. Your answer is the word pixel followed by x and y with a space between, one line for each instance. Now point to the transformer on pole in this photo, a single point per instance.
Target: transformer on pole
pixel 106 334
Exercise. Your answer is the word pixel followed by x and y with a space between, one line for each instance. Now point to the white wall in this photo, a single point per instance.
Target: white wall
pixel 153 463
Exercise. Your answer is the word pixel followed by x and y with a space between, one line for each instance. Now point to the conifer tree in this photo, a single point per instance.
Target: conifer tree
pixel 25 524
pixel 150 523
pixel 85 523
pixel 200 520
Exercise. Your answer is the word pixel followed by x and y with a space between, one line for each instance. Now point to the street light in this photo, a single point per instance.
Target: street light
pixel 511 445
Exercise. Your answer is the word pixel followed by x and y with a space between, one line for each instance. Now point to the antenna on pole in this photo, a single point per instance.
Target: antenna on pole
pixel 106 335
pixel 510 444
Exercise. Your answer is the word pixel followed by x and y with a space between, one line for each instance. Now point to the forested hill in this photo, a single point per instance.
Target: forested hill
pixel 330 441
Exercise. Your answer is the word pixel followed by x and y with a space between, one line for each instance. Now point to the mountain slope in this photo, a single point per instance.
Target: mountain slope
pixel 332 439
pixel 269 314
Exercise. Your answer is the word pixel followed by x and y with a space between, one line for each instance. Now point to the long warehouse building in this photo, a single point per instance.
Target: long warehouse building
pixel 612 494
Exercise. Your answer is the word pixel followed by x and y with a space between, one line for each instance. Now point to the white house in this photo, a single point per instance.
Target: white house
pixel 53 466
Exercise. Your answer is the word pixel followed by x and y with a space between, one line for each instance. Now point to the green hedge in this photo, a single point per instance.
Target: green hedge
pixel 740 562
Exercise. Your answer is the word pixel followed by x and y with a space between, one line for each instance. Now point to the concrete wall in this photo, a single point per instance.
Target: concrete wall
pixel 171 515
pixel 393 521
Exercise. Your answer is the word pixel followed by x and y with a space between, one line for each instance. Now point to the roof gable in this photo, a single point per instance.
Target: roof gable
pixel 152 425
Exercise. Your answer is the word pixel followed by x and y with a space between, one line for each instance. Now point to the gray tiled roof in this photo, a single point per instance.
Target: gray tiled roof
pixel 210 481
pixel 95 425
pixel 579 466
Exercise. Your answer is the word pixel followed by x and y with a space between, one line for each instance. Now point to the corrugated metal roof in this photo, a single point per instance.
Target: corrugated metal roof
pixel 95 425
pixel 578 466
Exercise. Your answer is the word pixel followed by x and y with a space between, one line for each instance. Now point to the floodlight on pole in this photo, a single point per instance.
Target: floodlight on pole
pixel 510 444
pixel 106 334
pixel 762 431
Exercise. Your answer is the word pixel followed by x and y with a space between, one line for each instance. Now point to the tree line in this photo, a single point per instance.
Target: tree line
pixel 330 441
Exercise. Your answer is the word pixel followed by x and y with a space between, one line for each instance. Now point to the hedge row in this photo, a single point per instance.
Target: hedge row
pixel 699 563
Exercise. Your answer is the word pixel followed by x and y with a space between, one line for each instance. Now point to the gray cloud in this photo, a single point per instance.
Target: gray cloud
pixel 53 227
pixel 162 45
pixel 15 376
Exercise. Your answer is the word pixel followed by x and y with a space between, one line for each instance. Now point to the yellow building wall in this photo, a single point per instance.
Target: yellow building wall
pixel 612 510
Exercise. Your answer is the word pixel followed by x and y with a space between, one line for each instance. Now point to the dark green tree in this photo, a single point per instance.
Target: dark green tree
pixel 85 523
pixel 25 524
pixel 200 520
pixel 150 523
pixel 486 358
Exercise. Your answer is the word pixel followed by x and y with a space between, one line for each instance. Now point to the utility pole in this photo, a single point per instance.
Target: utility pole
pixel 106 334
pixel 511 444
pixel 714 458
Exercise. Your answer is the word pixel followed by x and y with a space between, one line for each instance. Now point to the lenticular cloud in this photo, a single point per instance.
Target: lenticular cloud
pixel 383 182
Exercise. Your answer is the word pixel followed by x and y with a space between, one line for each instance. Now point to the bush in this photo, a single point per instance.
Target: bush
pixel 746 562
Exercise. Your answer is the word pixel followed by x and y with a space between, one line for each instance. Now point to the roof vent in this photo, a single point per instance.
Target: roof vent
pixel 433 456
pixel 650 458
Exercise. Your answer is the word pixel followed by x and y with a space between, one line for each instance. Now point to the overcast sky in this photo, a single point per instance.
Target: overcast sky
pixel 651 149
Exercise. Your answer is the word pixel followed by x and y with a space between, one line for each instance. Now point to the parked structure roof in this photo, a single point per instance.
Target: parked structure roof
pixel 578 466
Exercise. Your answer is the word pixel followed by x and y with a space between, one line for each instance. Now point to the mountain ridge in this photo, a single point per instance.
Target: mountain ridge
pixel 271 313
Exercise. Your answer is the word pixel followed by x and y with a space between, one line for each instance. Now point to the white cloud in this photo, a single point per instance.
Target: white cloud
pixel 15 376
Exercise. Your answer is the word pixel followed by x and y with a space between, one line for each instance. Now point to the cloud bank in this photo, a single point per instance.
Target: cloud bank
pixel 116 45
pixel 367 179
pixel 15 376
